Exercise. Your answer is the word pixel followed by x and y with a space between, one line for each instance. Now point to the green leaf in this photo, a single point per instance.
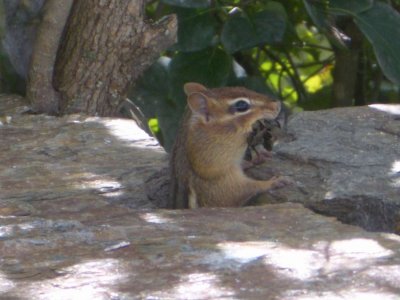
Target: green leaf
pixel 318 11
pixel 169 116
pixel 151 95
pixel 276 7
pixel 151 89
pixel 196 30
pixel 265 27
pixel 210 67
pixel 381 26
pixel 255 83
pixel 346 6
pixel 324 12
pixel 189 3
pixel 238 33
pixel 270 26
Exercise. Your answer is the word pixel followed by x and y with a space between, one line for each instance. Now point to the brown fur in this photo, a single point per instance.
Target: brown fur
pixel 207 154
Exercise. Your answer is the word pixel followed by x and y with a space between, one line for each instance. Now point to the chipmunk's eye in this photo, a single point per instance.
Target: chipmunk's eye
pixel 241 106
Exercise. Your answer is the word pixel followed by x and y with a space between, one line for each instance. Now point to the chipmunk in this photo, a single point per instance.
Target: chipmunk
pixel 206 160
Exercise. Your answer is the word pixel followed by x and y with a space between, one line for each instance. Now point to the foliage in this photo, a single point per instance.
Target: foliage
pixel 383 36
pixel 284 48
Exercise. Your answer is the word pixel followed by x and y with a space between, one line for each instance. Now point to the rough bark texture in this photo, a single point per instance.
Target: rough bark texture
pixel 107 46
pixel 346 67
pixel 40 90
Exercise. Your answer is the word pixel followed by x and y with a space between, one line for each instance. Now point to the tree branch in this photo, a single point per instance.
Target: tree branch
pixel 40 91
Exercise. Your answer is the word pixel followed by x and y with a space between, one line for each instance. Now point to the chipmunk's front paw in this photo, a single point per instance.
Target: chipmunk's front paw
pixel 258 158
pixel 278 182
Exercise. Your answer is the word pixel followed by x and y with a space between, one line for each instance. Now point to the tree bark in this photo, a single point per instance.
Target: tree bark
pixel 107 45
pixel 40 91
pixel 346 67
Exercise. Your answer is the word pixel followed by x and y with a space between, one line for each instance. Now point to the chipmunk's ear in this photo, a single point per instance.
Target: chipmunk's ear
pixel 193 87
pixel 199 104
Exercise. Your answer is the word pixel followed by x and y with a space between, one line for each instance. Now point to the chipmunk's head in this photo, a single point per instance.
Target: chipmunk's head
pixel 236 106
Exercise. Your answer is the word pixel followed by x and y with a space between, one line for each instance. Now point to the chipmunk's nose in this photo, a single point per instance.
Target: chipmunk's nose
pixel 273 109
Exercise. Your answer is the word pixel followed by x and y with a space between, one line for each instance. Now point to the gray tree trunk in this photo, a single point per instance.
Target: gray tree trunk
pixel 105 46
